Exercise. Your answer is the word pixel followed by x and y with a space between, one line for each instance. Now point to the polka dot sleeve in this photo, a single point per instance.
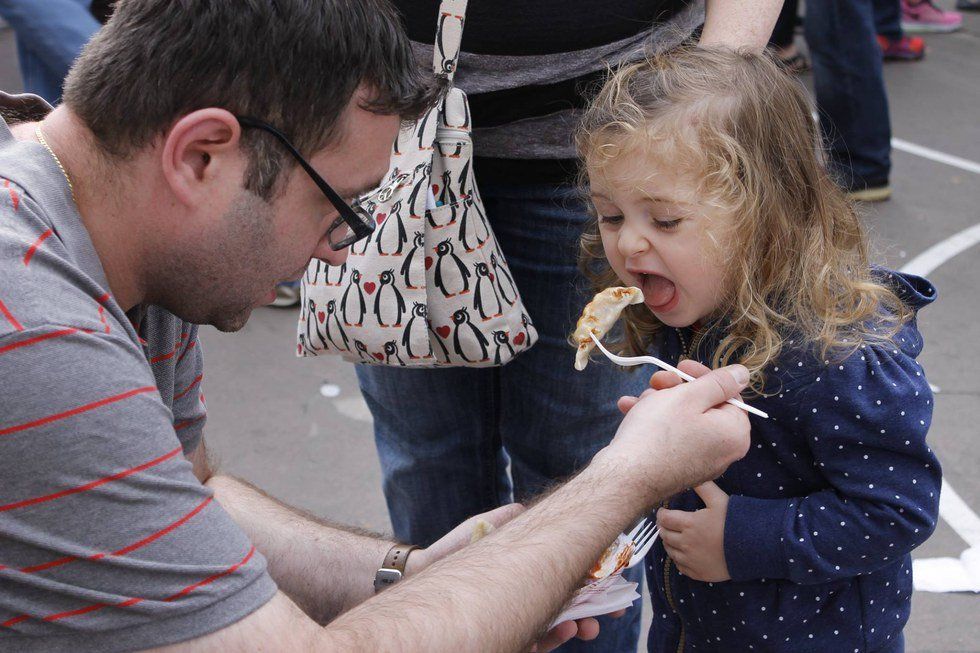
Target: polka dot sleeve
pixel 865 422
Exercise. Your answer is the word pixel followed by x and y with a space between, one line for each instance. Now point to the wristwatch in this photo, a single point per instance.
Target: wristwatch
pixel 393 568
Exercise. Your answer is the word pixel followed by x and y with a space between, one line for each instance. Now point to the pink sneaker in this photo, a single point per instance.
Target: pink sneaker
pixel 925 16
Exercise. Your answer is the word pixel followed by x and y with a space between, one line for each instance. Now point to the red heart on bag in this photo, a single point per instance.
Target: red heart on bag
pixel 380 357
pixel 519 339
pixel 428 262
pixel 299 351
pixel 321 316
pixel 369 287
pixel 381 217
pixel 491 276
pixel 443 331
pixel 435 189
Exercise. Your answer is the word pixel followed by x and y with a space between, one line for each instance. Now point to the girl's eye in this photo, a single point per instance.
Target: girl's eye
pixel 610 219
pixel 666 225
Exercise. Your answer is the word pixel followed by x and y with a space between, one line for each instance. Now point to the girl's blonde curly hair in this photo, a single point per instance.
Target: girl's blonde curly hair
pixel 796 256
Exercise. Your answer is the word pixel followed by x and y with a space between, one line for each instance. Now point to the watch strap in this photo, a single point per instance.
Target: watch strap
pixel 393 568
pixel 397 557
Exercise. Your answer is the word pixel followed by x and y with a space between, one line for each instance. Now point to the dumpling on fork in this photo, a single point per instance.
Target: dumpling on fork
pixel 598 317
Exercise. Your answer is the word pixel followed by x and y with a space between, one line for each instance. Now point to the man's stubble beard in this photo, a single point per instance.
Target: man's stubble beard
pixel 217 278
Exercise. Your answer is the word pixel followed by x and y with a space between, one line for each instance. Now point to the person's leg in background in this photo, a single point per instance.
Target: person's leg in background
pixel 554 419
pixel 895 45
pixel 782 42
pixel 438 441
pixel 850 93
pixel 50 35
pixel 440 432
pixel 925 16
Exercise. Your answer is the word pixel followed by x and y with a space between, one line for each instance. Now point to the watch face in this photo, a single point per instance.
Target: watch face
pixel 386 577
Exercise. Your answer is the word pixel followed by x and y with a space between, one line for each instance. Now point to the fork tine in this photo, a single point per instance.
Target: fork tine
pixel 640 540
pixel 619 360
pixel 642 549
pixel 639 526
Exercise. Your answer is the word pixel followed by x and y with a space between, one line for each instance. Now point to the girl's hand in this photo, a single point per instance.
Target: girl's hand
pixel 695 541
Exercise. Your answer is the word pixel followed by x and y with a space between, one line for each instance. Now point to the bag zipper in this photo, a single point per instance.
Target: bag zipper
pixel 455 134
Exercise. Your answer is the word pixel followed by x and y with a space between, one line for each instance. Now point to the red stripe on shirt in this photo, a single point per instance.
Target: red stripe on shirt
pixel 160 533
pixel 10 318
pixel 123 551
pixel 182 392
pixel 37 243
pixel 211 579
pixel 163 357
pixel 37 339
pixel 187 422
pixel 133 601
pixel 91 485
pixel 76 612
pixel 77 411
pixel 13 194
pixel 16 620
pixel 189 347
pixel 102 317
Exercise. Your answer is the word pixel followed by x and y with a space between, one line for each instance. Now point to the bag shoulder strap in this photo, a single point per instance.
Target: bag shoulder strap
pixel 449 34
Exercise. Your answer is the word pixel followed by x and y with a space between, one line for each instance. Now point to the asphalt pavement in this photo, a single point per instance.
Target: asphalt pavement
pixel 299 429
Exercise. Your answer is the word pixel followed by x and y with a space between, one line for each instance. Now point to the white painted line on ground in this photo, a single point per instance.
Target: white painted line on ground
pixel 942 251
pixel 936 155
pixel 959 516
pixel 950 574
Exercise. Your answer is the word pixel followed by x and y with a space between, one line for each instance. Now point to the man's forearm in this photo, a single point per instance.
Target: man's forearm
pixel 502 592
pixel 739 23
pixel 326 569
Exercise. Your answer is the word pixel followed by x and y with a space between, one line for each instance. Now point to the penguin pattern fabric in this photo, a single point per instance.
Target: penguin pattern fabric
pixel 430 287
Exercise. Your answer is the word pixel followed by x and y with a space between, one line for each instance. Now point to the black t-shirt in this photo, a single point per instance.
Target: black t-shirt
pixel 536 32
pixel 522 27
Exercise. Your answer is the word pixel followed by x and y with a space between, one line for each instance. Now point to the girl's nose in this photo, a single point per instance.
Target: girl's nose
pixel 632 243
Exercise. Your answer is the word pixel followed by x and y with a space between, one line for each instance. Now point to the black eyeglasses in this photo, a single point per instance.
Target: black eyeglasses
pixel 353 223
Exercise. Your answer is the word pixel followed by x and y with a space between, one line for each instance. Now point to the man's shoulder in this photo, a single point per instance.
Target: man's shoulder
pixel 43 284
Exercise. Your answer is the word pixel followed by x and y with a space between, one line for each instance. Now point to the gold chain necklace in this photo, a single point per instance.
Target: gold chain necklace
pixel 40 138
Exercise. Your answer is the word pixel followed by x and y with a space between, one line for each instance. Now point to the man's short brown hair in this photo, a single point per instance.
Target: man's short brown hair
pixel 293 63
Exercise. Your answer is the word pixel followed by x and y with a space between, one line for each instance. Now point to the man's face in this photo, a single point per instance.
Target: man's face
pixel 253 245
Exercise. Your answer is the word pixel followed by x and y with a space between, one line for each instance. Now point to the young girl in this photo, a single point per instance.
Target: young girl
pixel 710 196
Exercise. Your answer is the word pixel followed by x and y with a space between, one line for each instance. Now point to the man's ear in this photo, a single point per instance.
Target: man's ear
pixel 201 148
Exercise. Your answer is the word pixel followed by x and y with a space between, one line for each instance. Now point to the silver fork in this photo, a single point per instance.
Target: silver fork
pixel 629 361
pixel 643 536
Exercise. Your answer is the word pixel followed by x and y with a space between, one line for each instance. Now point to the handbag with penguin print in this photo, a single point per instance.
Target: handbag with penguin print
pixel 430 287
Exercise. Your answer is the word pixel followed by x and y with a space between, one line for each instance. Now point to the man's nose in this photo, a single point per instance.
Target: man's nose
pixel 328 255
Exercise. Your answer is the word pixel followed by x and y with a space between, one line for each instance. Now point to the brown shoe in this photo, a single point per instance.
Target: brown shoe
pixel 872 194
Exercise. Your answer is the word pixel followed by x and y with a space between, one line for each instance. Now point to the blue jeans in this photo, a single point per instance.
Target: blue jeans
pixel 888 18
pixel 50 35
pixel 445 436
pixel 850 90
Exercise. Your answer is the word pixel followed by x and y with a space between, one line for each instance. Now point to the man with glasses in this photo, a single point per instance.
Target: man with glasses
pixel 163 193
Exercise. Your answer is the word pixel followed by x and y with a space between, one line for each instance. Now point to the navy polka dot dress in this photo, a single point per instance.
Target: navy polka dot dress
pixel 839 486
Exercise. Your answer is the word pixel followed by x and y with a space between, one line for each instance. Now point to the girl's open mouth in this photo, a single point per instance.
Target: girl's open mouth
pixel 659 293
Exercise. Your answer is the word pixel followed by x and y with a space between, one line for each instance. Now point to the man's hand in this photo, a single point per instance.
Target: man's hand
pixel 584 629
pixel 695 541
pixel 459 537
pixel 677 434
